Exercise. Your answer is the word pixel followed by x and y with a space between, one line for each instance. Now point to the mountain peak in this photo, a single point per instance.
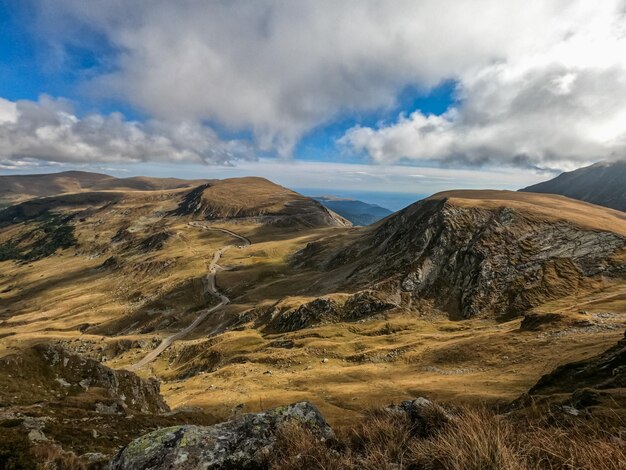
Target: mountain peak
pixel 601 183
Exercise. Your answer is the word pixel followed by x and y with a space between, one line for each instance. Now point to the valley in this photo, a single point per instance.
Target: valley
pixel 239 295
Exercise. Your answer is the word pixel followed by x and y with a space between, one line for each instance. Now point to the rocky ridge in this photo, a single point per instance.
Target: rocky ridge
pixel 601 183
pixel 471 261
pixel 283 317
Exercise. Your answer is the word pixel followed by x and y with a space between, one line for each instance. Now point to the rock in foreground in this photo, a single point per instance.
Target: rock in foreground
pixel 244 443
pixel 51 374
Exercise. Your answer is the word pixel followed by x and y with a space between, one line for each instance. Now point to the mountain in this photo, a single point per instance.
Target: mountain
pixel 15 188
pixel 357 212
pixel 255 197
pixel 602 184
pixel 240 295
pixel 476 253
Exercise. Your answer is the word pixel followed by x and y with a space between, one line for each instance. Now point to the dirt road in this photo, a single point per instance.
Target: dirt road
pixel 210 288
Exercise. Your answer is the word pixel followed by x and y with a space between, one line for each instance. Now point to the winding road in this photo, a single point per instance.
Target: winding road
pixel 210 288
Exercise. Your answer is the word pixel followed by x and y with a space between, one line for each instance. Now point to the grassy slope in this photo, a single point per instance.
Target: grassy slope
pixel 548 207
pixel 412 352
pixel 16 188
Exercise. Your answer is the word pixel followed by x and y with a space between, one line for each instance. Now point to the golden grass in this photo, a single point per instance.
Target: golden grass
pixel 251 194
pixel 380 360
pixel 468 438
pixel 549 207
pixel 372 362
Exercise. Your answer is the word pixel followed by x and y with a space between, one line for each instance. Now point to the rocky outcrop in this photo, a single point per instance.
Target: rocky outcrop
pixel 533 321
pixel 244 443
pixel 284 318
pixel 471 260
pixel 50 373
pixel 155 241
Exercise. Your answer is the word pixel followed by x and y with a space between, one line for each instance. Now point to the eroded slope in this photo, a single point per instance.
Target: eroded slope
pixel 480 253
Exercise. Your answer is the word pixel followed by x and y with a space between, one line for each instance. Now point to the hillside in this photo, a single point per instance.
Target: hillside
pixel 601 184
pixel 357 212
pixel 15 188
pixel 239 294
pixel 480 252
pixel 255 197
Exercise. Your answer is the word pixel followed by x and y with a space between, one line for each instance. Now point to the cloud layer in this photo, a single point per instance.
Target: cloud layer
pixel 560 106
pixel 539 83
pixel 49 131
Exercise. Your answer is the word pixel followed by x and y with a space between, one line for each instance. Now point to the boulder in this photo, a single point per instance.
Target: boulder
pixel 246 442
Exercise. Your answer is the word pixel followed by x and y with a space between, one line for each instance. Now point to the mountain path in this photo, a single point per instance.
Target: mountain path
pixel 210 288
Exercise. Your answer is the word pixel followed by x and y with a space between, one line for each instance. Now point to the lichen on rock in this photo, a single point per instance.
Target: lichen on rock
pixel 243 443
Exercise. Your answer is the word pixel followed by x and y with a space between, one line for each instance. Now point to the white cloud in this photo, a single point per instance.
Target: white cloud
pixel 559 104
pixel 8 111
pixel 280 68
pixel 356 177
pixel 49 131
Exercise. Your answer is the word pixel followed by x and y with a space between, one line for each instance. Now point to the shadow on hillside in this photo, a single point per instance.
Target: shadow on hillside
pixel 39 289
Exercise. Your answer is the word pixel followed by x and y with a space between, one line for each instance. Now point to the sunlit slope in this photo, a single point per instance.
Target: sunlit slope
pixel 496 253
pixel 15 188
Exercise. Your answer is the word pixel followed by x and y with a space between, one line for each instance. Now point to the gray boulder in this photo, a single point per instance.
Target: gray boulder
pixel 243 443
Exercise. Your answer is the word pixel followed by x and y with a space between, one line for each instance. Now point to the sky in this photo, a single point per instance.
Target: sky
pixel 360 96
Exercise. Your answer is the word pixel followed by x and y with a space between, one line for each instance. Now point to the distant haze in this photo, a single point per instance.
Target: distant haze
pixel 388 200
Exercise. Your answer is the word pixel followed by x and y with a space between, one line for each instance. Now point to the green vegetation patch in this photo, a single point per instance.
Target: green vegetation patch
pixel 53 232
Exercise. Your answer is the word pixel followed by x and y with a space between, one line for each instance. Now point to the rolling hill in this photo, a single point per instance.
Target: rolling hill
pixel 16 188
pixel 240 294
pixel 603 184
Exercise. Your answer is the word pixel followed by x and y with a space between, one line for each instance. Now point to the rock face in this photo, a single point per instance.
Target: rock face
pixel 353 307
pixel 472 259
pixel 50 373
pixel 244 443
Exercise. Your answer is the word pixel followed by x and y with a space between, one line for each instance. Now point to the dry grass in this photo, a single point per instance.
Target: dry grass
pixel 474 439
pixel 53 457
pixel 550 207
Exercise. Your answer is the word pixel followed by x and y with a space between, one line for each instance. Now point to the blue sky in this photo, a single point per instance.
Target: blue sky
pixel 406 97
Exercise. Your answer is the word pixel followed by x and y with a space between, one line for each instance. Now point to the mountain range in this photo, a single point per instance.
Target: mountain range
pixel 357 212
pixel 136 305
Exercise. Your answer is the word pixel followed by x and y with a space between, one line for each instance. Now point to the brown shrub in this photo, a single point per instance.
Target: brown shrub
pixel 582 447
pixel 476 440
pixel 471 439
pixel 298 448
pixel 53 457
pixel 380 440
